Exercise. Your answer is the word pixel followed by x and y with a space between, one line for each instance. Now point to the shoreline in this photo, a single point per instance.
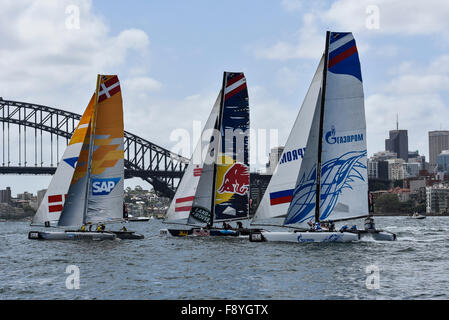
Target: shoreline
pixel 389 214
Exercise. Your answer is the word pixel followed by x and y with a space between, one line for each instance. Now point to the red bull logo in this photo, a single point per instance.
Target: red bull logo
pixel 235 180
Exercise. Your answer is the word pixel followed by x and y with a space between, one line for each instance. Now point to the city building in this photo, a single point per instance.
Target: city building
pixel 384 155
pixel 402 193
pixel 275 155
pixel 396 169
pixel 372 168
pixel 411 169
pixel 437 199
pixel 438 141
pixel 414 157
pixel 5 195
pixel 398 143
pixel 443 161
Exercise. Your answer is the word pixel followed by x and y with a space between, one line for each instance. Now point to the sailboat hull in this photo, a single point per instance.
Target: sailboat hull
pixel 199 232
pixel 303 237
pixel 378 235
pixel 70 235
pixel 128 235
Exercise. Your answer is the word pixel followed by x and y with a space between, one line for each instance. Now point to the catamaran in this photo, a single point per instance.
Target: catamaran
pixel 324 160
pixel 87 187
pixel 215 185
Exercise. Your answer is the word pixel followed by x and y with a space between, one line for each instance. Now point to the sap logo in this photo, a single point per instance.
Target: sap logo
pixel 101 187
pixel 293 155
pixel 332 139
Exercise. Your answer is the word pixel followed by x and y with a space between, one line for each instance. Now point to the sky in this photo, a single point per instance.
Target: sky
pixel 170 57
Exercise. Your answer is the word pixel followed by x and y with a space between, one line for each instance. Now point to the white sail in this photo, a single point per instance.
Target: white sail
pixel 302 207
pixel 344 183
pixel 73 210
pixel 277 197
pixel 52 204
pixel 201 211
pixel 182 201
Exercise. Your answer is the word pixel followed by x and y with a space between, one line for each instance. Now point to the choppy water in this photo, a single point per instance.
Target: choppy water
pixel 414 267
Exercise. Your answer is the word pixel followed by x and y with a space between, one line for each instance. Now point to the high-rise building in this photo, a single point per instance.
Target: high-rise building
pixel 275 155
pixel 443 161
pixel 5 195
pixel 398 143
pixel 437 199
pixel 438 141
pixel 396 169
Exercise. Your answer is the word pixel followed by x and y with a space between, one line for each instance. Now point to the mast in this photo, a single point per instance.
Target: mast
pixel 91 148
pixel 320 132
pixel 218 127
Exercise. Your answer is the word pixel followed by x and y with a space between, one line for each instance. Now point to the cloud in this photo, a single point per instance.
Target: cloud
pixel 46 62
pixel 413 17
pixel 309 44
pixel 394 17
pixel 291 5
pixel 417 93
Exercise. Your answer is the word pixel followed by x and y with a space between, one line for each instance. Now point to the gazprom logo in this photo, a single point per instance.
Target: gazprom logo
pixel 102 187
pixel 331 138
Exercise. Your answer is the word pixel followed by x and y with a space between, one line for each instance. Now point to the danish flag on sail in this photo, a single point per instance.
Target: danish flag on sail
pixel 55 203
pixel 184 204
pixel 236 83
pixel 108 87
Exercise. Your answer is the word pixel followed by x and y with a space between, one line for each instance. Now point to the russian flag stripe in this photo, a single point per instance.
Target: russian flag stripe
pixel 280 197
pixel 342 56
pixel 340 42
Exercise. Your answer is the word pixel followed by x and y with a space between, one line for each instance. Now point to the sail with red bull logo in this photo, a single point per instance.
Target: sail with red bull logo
pixel 223 189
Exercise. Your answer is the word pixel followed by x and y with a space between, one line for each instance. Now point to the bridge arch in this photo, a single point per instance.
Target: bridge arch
pixel 144 159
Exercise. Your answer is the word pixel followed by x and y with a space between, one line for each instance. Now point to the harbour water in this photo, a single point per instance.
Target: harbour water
pixel 416 266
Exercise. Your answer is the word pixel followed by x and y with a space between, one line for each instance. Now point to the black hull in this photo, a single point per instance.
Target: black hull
pixel 215 232
pixel 128 235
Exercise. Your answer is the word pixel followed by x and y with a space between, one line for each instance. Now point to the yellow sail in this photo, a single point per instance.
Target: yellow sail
pixel 96 191
pixel 105 200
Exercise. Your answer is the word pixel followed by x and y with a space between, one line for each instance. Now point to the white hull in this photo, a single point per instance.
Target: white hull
pixel 378 235
pixel 138 219
pixel 301 237
pixel 70 235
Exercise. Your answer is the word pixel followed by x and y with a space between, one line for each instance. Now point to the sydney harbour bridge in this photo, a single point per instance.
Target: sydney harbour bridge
pixel 34 138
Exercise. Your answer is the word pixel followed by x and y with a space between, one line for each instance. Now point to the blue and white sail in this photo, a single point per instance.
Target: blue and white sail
pixel 344 180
